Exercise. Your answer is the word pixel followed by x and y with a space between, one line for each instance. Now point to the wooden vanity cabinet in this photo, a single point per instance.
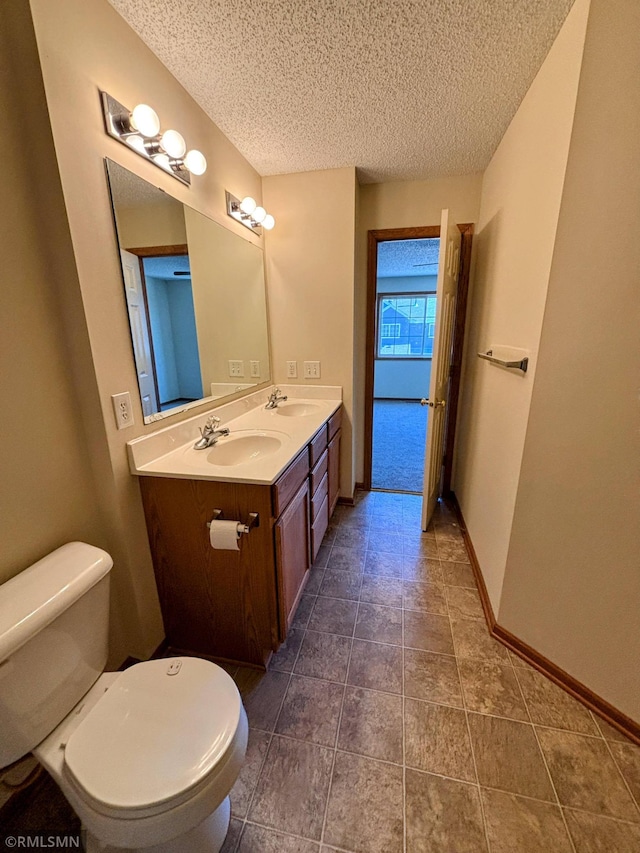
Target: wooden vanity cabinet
pixel 292 555
pixel 334 428
pixel 216 603
pixel 238 605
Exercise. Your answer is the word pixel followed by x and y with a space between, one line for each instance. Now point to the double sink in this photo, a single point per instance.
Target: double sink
pixel 243 446
pixel 260 445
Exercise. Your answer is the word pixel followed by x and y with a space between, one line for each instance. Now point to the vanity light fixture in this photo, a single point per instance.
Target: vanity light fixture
pixel 139 129
pixel 249 213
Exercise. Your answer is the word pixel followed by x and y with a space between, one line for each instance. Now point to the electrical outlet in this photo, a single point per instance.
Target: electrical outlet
pixel 122 409
pixel 236 368
pixel 254 369
pixel 292 370
pixel 312 370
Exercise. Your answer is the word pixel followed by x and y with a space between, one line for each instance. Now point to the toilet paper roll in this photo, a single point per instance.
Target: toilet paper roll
pixel 224 535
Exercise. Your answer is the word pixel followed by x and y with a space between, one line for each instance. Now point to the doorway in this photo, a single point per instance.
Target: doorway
pixel 405 314
pixel 394 424
pixel 163 326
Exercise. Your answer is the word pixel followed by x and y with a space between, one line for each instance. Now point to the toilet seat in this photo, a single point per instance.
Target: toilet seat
pixel 160 734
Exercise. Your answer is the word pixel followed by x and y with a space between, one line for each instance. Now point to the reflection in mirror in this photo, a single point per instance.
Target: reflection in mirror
pixel 195 296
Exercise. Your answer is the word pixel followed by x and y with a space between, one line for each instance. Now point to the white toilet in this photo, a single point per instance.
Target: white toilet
pixel 147 756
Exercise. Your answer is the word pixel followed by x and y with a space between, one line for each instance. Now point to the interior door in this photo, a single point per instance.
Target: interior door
pixel 448 264
pixel 137 309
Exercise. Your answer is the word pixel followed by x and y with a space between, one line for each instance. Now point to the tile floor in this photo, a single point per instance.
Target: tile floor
pixel 391 720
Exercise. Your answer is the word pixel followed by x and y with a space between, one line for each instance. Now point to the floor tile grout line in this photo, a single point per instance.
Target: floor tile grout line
pixel 624 778
pixel 485 828
pixel 544 757
pixel 291 834
pixel 271 736
pixel 337 737
pixel 258 777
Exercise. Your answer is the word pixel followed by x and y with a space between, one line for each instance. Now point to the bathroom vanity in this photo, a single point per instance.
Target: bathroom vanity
pixel 237 605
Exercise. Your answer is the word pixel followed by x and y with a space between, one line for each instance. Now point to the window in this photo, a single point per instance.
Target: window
pixel 390 330
pixel 406 325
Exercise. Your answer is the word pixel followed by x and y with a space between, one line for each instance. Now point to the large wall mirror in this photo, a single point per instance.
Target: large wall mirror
pixel 195 296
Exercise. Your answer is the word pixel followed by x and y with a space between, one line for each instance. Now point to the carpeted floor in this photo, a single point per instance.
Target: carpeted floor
pixel 399 432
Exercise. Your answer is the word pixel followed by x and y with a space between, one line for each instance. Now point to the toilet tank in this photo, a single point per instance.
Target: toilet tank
pixel 54 619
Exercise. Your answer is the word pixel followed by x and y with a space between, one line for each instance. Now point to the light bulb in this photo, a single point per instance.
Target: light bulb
pixel 268 222
pixel 259 214
pixel 195 162
pixel 248 205
pixel 145 120
pixel 162 160
pixel 173 143
pixel 136 142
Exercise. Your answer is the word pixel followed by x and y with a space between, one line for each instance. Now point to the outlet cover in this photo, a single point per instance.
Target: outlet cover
pixel 254 369
pixel 292 370
pixel 312 370
pixel 122 409
pixel 236 368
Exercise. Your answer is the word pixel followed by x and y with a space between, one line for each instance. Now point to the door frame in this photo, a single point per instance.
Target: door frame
pixel 380 235
pixel 142 252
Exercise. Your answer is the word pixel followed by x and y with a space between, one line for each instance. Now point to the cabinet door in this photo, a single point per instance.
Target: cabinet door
pixel 292 554
pixel 334 471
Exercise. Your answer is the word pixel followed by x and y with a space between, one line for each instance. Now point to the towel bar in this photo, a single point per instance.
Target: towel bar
pixel 520 364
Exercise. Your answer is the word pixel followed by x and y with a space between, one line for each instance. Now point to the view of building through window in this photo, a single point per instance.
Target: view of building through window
pixel 406 325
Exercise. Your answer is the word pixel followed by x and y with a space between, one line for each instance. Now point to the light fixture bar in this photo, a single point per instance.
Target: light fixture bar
pixel 245 212
pixel 165 150
pixel 234 210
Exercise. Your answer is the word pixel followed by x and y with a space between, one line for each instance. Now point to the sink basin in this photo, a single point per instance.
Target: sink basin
pixel 239 448
pixel 297 410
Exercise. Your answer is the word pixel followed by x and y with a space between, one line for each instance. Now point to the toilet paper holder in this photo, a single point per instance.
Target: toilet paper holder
pixel 254 520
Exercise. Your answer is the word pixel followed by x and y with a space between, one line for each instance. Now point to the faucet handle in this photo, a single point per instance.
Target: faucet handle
pixel 212 423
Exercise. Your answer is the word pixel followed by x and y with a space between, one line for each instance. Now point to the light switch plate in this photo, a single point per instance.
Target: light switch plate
pixel 312 370
pixel 236 368
pixel 122 409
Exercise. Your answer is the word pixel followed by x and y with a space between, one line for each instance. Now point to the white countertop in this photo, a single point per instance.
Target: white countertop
pixel 169 452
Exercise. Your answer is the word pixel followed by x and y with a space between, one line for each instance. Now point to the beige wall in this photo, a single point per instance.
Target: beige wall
pixel 572 583
pixel 43 447
pixel 521 193
pixel 51 419
pixel 85 46
pixel 151 225
pixel 400 205
pixel 227 277
pixel 310 270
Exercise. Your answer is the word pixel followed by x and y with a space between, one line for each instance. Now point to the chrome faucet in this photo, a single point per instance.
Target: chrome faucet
pixel 274 399
pixel 210 434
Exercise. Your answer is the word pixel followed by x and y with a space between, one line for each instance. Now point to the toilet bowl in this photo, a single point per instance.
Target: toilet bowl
pixel 146 757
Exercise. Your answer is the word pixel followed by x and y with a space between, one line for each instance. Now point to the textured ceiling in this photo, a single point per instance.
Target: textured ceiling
pixel 402 89
pixel 408 257
pixel 166 267
pixel 128 190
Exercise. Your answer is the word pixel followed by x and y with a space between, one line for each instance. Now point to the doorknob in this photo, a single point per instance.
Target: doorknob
pixel 438 403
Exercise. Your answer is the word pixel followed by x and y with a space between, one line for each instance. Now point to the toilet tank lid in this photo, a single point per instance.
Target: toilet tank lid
pixel 34 598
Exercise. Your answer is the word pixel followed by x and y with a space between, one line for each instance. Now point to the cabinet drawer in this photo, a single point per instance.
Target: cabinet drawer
pixel 289 482
pixel 320 469
pixel 318 497
pixel 335 422
pixel 318 445
pixel 319 527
